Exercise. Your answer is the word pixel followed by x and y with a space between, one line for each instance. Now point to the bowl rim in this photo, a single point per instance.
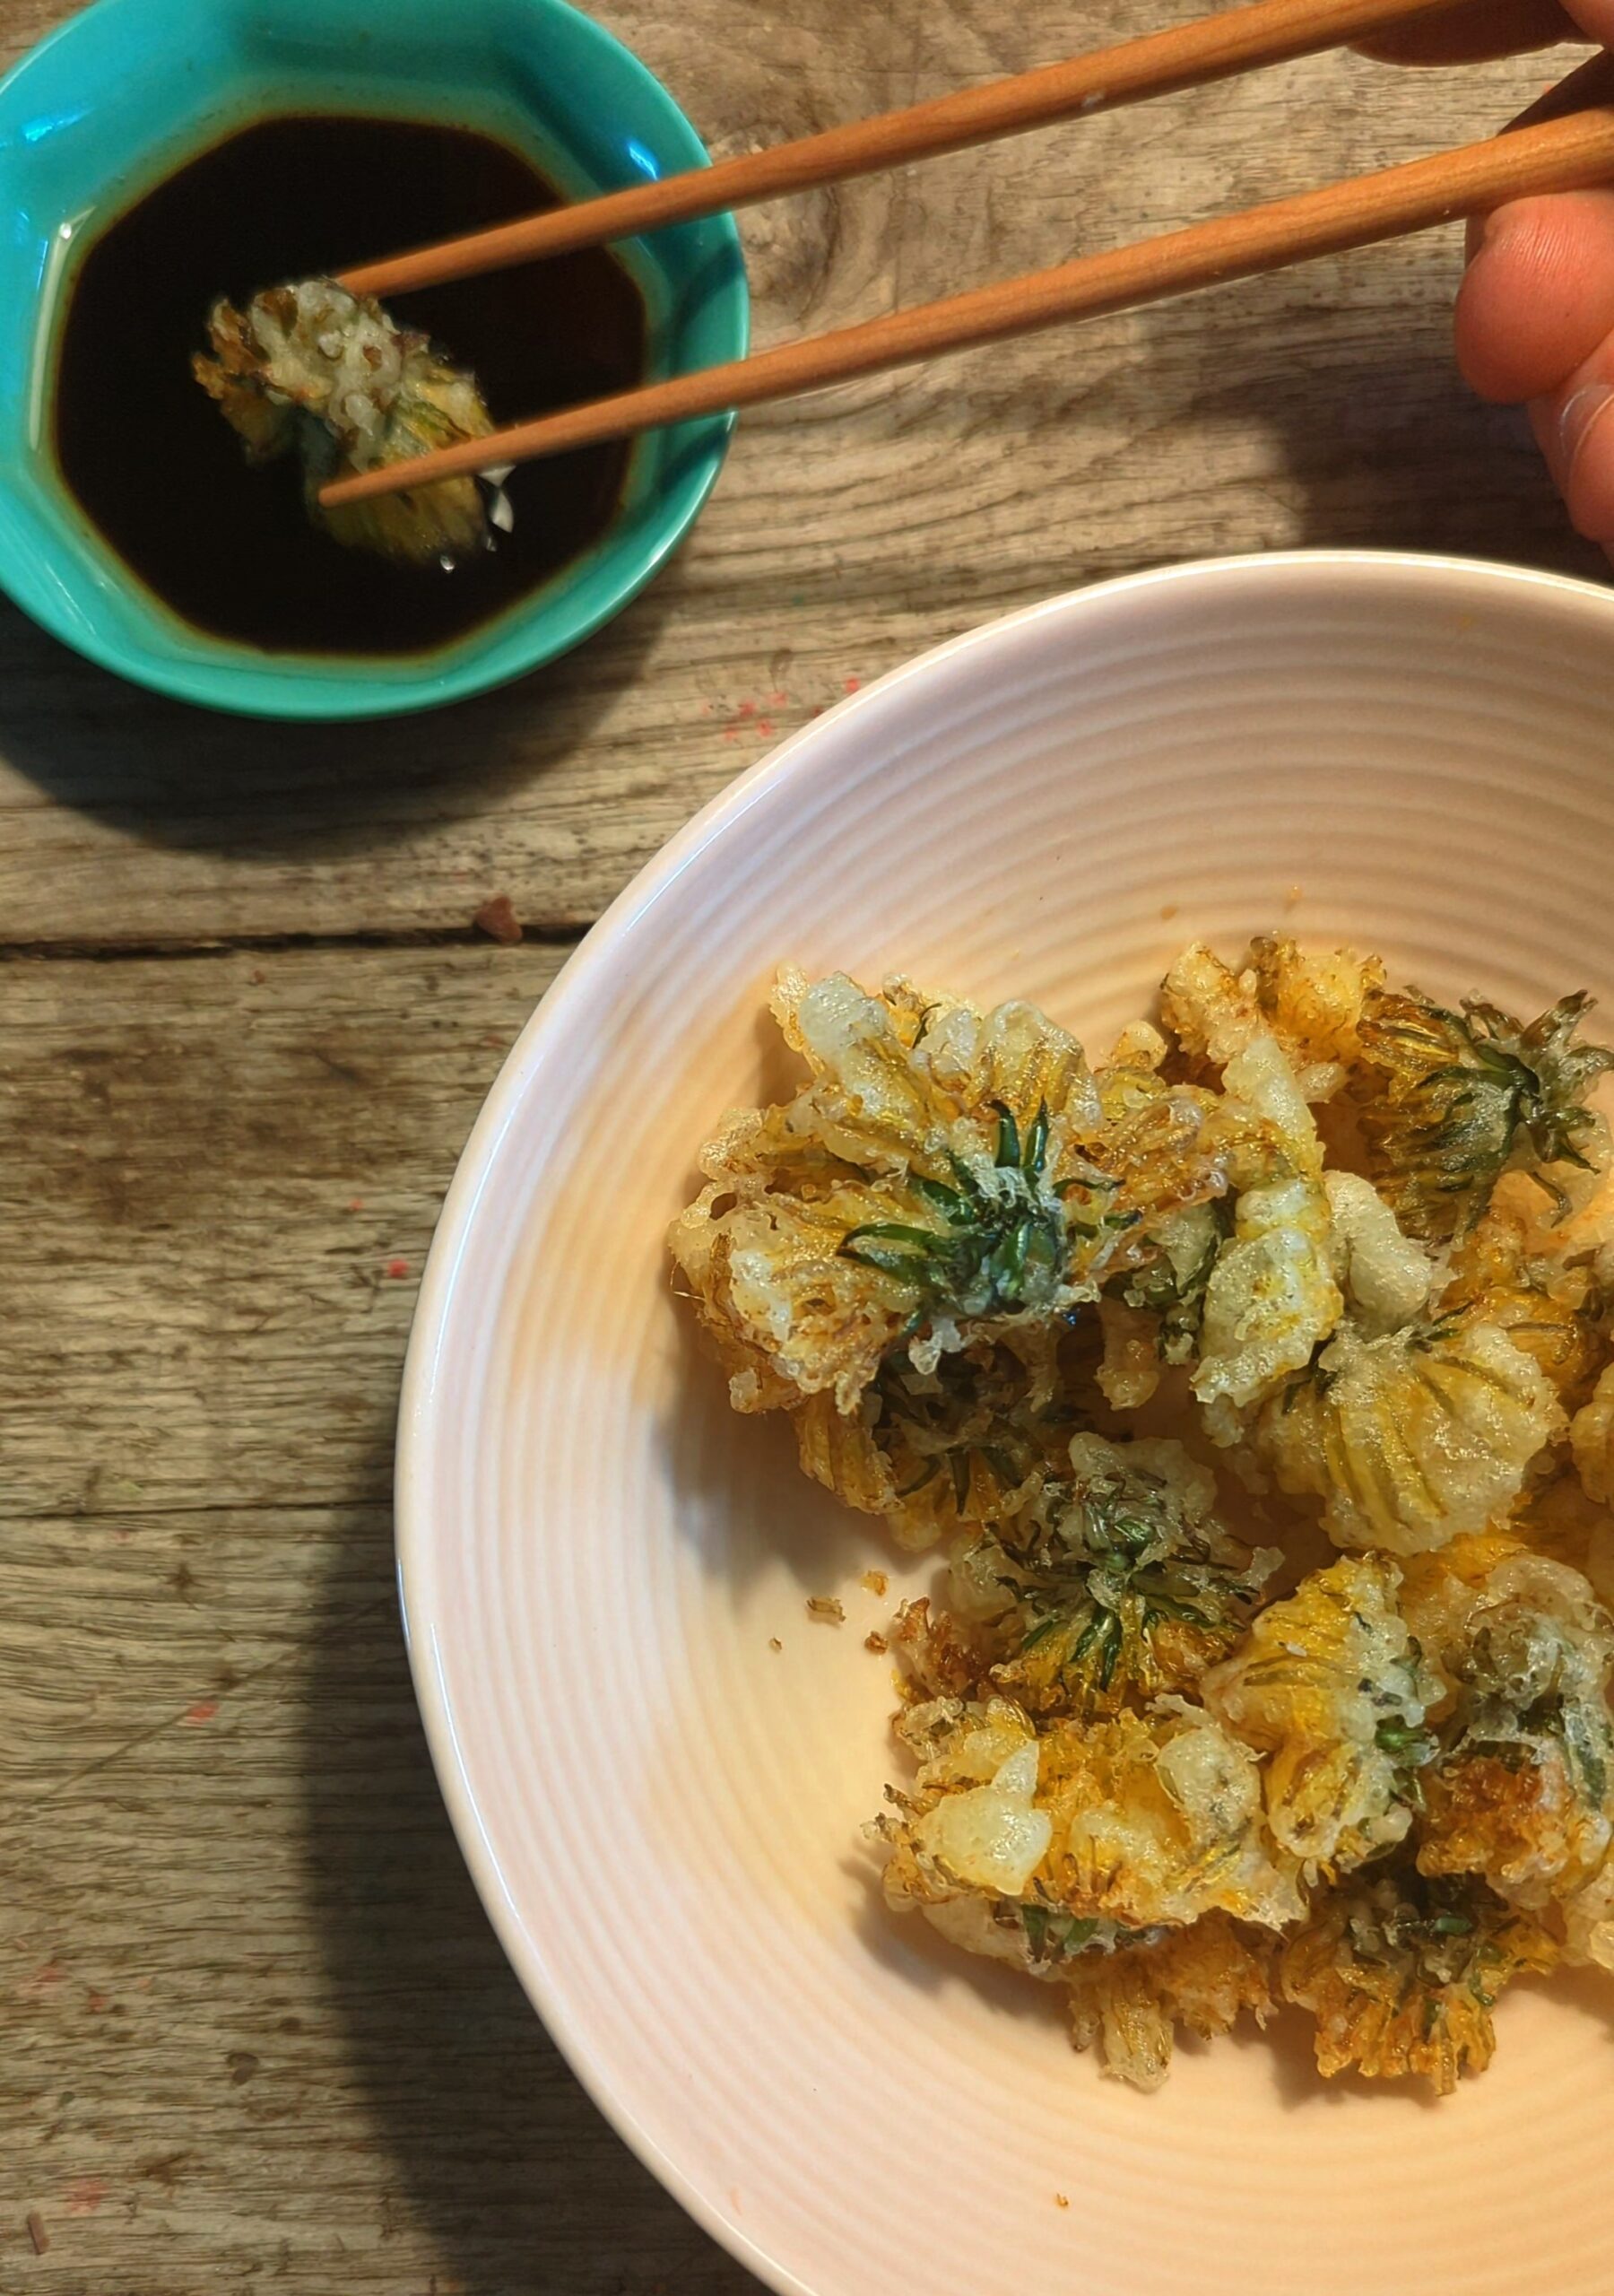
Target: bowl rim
pixel 1359 569
pixel 235 682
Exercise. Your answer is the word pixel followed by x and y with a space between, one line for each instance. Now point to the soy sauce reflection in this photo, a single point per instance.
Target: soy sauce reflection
pixel 154 465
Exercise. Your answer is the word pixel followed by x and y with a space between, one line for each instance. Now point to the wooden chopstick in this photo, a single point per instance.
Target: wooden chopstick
pixel 1555 155
pixel 1186 56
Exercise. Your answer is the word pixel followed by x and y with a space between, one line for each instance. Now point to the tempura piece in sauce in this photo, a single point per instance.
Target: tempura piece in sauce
pixel 1402 1974
pixel 312 371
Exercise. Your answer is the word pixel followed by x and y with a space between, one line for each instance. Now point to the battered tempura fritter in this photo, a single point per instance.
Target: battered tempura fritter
pixel 1338 1239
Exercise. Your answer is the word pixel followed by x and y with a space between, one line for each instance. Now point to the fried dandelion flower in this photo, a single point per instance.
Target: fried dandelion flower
pixel 1447 1099
pixel 1328 1687
pixel 1402 1974
pixel 310 372
pixel 1120 1584
pixel 1411 1438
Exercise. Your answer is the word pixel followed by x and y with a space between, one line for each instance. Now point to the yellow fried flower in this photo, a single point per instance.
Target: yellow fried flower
pixel 1158 1819
pixel 938 1452
pixel 1523 1792
pixel 1402 1974
pixel 1413 1438
pixel 1446 1100
pixel 1533 1274
pixel 913 1194
pixel 1327 1685
pixel 1118 1584
pixel 1131 1999
pixel 1130 1824
pixel 1311 1004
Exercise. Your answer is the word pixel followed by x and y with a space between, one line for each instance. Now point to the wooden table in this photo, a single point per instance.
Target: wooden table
pixel 256 2029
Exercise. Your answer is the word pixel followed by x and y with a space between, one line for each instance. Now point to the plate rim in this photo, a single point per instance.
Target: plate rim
pixel 522 1064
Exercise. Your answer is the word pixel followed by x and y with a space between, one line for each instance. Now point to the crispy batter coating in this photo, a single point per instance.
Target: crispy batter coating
pixel 1136 1822
pixel 1311 1003
pixel 311 370
pixel 1118 1583
pixel 938 1452
pixel 923 1191
pixel 1131 1999
pixel 1328 1686
pixel 1446 1100
pixel 1522 1790
pixel 1413 1438
pixel 1402 1974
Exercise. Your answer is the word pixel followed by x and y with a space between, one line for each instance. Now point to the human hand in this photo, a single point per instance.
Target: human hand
pixel 1535 314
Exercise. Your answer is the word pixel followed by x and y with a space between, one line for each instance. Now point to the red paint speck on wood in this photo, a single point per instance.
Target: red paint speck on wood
pixel 853 684
pixel 84 2198
pixel 203 1711
pixel 397 1268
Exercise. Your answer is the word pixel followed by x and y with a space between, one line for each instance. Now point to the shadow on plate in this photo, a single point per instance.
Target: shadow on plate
pixel 503 2162
pixel 739 1494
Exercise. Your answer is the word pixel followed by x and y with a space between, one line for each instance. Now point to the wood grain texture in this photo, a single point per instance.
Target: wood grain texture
pixel 257 2026
pixel 258 2032
pixel 849 531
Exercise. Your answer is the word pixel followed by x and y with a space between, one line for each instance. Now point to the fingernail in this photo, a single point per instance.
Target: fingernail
pixel 1579 414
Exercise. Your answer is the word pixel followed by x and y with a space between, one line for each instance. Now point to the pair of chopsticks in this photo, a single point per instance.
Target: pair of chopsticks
pixel 1547 151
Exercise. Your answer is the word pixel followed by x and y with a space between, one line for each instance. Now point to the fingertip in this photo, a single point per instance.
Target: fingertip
pixel 1493 324
pixel 1537 295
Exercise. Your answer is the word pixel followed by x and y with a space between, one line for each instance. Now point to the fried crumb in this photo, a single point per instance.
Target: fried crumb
pixel 1061 2200
pixel 875 1582
pixel 498 920
pixel 826 1606
pixel 37 2232
pixel 773 1642
pixel 877 1643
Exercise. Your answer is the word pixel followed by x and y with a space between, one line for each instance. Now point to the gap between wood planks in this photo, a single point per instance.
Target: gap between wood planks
pixel 408 936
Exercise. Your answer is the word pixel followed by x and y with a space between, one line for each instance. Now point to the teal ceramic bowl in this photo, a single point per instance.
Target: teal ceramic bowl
pixel 121 95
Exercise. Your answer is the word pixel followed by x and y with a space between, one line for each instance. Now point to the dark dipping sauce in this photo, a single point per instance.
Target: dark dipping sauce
pixel 230 547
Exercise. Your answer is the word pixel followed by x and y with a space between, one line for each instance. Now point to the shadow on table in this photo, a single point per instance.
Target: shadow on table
pixel 501 2160
pixel 1384 445
pixel 172 775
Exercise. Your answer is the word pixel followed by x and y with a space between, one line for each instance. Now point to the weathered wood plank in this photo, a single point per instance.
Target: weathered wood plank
pixel 852 530
pixel 257 2029
pixel 257 2024
pixel 222 1177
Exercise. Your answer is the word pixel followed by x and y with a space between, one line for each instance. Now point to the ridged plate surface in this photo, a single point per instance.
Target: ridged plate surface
pixel 661 1811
